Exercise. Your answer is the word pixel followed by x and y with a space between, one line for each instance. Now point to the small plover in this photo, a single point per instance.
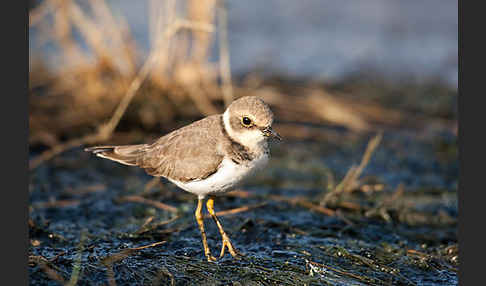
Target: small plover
pixel 208 157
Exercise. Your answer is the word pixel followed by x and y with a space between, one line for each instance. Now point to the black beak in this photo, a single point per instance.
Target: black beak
pixel 269 132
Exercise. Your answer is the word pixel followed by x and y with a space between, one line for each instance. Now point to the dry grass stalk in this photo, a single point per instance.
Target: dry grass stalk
pixel 308 132
pixel 110 275
pixel 302 202
pixel 340 215
pixel 200 11
pixel 139 199
pixel 370 149
pixel 428 257
pixel 163 271
pixel 119 44
pixel 85 189
pixel 58 149
pixel 145 227
pixel 296 201
pixel 238 193
pixel 318 267
pixel 105 131
pixel 56 204
pixel 48 270
pixel 350 180
pixel 316 208
pixel 382 209
pixel 150 185
pixel 332 110
pixel 76 272
pixel 161 19
pixel 63 32
pixel 117 257
pixel 350 206
pixel 315 106
pixel 110 260
pixel 201 101
pixel 224 62
pixel 98 33
pixel 145 223
pixel 89 30
pixel 238 210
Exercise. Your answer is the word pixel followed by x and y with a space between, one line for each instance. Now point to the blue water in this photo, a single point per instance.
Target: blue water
pixel 325 39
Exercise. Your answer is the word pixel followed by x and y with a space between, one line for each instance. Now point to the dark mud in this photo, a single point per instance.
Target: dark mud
pixel 80 230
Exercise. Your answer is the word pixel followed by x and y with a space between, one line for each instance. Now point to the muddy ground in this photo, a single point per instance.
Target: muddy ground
pixel 95 222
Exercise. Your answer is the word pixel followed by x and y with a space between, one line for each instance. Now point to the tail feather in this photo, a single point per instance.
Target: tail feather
pixel 126 155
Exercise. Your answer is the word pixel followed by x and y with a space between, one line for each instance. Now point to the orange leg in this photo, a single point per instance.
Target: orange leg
pixel 226 240
pixel 200 222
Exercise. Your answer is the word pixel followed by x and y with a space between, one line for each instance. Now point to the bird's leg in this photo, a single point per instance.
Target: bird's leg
pixel 224 236
pixel 200 222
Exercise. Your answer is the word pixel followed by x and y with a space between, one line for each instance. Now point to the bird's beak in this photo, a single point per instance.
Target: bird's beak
pixel 269 132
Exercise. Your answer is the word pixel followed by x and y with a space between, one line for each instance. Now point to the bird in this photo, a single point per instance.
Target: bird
pixel 207 158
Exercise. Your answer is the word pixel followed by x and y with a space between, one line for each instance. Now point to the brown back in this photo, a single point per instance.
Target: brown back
pixel 187 153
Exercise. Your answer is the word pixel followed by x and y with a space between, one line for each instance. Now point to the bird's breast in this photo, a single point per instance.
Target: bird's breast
pixel 228 175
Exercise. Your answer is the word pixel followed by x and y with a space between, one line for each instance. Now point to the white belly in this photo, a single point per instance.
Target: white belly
pixel 227 177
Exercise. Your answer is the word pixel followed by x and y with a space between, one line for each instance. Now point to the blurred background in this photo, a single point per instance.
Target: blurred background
pixel 83 53
pixel 398 39
pixel 364 93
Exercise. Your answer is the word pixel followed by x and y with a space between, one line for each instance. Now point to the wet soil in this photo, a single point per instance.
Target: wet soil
pixel 82 231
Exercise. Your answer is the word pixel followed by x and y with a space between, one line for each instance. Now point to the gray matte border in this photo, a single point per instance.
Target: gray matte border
pixel 14 116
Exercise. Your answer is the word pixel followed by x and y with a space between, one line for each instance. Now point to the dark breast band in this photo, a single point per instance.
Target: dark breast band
pixel 237 152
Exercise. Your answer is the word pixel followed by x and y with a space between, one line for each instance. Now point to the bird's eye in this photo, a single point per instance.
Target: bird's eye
pixel 246 121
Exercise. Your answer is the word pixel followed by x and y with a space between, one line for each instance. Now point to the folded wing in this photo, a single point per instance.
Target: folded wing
pixel 186 154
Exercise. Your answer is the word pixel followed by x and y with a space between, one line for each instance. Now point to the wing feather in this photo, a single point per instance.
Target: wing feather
pixel 190 153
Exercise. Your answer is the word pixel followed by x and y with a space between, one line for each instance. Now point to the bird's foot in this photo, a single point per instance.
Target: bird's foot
pixel 210 257
pixel 232 250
